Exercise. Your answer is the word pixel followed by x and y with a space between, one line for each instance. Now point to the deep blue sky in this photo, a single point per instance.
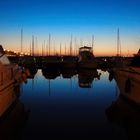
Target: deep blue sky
pixel 62 18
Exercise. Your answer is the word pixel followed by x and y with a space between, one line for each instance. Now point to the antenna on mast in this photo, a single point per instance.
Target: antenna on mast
pixel 118 38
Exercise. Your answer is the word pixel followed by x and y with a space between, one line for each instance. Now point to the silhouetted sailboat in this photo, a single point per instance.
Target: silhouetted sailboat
pixel 51 61
pixel 69 61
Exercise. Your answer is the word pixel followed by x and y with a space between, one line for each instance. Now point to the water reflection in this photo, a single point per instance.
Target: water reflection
pixel 111 75
pixel 124 113
pixel 124 117
pixel 50 73
pixel 31 71
pixel 60 108
pixel 86 77
pixel 68 73
pixel 12 122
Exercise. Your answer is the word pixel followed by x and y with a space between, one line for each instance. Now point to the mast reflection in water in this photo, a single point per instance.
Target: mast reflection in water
pixel 73 104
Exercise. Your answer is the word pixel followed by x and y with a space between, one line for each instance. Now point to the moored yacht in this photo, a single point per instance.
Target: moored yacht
pixel 86 58
pixel 10 75
pixel 128 80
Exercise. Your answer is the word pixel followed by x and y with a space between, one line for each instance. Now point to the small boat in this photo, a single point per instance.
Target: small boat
pixel 128 80
pixel 86 58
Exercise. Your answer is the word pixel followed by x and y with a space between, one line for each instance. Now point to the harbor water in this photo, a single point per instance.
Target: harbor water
pixel 71 105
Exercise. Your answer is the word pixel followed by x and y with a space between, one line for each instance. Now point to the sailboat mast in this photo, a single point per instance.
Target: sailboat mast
pixel 44 44
pixel 65 49
pixel 21 40
pixel 92 43
pixel 49 43
pixel 54 46
pixel 118 40
pixel 36 46
pixel 75 46
pixel 30 48
pixel 32 45
pixel 42 50
pixel 60 49
pixel 71 46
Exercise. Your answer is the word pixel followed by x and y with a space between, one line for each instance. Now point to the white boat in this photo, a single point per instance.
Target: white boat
pixel 128 80
pixel 86 58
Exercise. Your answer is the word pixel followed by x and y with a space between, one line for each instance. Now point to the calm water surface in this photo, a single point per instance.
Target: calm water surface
pixel 87 105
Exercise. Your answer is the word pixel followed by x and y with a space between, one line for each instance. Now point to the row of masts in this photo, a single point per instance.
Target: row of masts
pixel 118 43
pixel 47 51
pixel 48 47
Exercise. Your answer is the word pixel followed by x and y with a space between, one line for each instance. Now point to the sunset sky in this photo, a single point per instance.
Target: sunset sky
pixel 79 18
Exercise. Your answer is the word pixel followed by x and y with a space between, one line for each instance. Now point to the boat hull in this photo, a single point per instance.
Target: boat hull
pixel 10 76
pixel 128 81
pixel 7 97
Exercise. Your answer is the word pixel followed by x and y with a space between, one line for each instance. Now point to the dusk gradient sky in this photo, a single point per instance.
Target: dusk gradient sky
pixel 79 18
